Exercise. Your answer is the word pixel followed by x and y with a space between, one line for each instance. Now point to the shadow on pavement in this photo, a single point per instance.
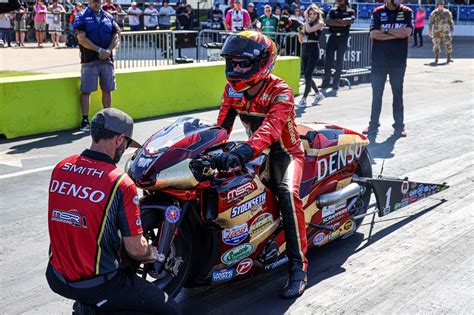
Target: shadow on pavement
pixel 46 140
pixel 382 150
pixel 259 295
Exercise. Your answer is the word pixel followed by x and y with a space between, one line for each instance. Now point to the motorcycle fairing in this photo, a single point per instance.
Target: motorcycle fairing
pixel 393 194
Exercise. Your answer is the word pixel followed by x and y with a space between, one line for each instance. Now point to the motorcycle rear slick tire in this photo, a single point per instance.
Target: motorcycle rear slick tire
pixel 181 246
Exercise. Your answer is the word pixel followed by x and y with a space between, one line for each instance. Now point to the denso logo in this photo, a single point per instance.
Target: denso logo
pixel 241 191
pixel 337 160
pixel 252 204
pixel 81 192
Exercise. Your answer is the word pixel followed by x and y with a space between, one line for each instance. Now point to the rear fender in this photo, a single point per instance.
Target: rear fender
pixel 393 194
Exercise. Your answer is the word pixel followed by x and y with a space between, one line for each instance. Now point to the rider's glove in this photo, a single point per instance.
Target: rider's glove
pixel 238 156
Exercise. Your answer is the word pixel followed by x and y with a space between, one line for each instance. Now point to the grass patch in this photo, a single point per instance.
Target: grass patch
pixel 6 73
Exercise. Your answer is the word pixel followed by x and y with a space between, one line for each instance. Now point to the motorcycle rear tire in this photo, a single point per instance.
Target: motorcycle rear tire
pixel 152 219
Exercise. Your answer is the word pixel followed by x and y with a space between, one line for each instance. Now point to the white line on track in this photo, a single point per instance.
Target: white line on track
pixel 47 168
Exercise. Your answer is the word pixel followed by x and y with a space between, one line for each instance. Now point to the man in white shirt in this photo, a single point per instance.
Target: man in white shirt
pixel 133 14
pixel 151 18
pixel 165 15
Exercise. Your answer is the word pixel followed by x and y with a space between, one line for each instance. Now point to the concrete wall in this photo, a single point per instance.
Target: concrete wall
pixel 45 103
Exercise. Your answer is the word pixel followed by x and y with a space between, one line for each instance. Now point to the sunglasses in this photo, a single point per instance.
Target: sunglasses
pixel 242 63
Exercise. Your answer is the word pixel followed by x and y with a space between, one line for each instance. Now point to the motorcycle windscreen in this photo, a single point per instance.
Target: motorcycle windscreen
pixel 394 194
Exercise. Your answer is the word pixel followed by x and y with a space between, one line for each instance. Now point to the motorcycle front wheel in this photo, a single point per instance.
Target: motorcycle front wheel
pixel 173 276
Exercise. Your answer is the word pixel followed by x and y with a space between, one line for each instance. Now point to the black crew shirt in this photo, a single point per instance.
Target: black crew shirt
pixel 338 13
pixel 390 53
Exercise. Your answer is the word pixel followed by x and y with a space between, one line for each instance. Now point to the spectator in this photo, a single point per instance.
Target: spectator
pixel 293 46
pixel 441 27
pixel 277 11
pixel 84 262
pixel 339 21
pixel 283 26
pixel 419 25
pixel 297 4
pixel 253 15
pixel 134 17
pixel 69 11
pixel 166 11
pixel 78 8
pixel 237 18
pixel 96 45
pixel 120 17
pixel 297 15
pixel 5 30
pixel 389 36
pixel 19 24
pixel 189 20
pixel 181 15
pixel 150 18
pixel 215 17
pixel 109 7
pixel 268 22
pixel 55 28
pixel 311 32
pixel 40 11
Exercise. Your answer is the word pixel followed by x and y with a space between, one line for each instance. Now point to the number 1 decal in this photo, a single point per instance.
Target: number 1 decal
pixel 388 194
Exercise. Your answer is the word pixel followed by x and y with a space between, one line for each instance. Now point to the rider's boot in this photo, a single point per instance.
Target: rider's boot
pixel 295 286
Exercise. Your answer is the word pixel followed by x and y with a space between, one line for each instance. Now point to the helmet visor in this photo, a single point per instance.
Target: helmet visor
pixel 241 47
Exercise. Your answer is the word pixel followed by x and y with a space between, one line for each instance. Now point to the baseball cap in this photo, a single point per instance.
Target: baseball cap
pixel 237 1
pixel 115 120
pixel 251 4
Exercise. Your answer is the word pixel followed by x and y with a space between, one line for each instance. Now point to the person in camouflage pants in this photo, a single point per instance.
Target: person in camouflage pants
pixel 440 29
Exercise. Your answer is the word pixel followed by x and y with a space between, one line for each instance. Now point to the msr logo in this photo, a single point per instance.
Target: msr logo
pixel 72 217
pixel 241 191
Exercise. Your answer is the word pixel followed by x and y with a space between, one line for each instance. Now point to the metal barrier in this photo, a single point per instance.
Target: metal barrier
pixel 145 49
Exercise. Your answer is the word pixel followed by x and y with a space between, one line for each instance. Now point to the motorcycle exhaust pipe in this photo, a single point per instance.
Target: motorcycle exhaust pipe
pixel 351 190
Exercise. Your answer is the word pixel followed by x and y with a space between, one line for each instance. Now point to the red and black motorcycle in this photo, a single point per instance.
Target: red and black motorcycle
pixel 212 227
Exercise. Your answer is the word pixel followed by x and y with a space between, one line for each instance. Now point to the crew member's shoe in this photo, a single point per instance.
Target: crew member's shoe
pixel 295 286
pixel 369 131
pixel 401 133
pixel 317 98
pixel 436 58
pixel 85 126
pixel 448 59
pixel 302 103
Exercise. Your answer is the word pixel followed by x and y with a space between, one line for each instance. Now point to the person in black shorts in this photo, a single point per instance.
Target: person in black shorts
pixel 390 28
pixel 339 21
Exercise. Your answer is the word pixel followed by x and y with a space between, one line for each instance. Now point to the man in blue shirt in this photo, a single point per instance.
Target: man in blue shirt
pixel 98 35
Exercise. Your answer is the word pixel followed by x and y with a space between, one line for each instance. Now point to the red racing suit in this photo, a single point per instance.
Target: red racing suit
pixel 269 119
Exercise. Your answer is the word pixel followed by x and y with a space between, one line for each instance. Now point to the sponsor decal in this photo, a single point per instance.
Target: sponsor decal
pixel 76 191
pixel 386 210
pixel 223 275
pixel 138 222
pixel 412 193
pixel 348 225
pixel 405 187
pixel 329 165
pixel 413 199
pixel 318 239
pixel 420 189
pixel 234 94
pixel 281 98
pixel 244 266
pixel 240 191
pixel 334 216
pixel 161 257
pixel 172 214
pixel 265 97
pixel 277 263
pixel 334 235
pixel 136 200
pixel 73 217
pixel 329 210
pixel 144 162
pixel 235 235
pixel 405 202
pixel 261 223
pixel 252 205
pixel 397 206
pixel 236 254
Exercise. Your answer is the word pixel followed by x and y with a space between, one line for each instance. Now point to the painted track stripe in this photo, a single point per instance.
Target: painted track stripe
pixel 35 170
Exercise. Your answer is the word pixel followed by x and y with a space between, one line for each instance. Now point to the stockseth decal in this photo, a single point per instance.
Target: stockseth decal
pixel 277 263
pixel 240 192
pixel 172 214
pixel 261 223
pixel 335 161
pixel 252 204
pixel 244 266
pixel 318 239
pixel 235 235
pixel 236 254
pixel 223 275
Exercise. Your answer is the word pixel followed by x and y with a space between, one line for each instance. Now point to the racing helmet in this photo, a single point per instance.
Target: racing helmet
pixel 255 47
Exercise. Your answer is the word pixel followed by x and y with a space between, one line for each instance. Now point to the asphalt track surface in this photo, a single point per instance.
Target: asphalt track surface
pixel 419 260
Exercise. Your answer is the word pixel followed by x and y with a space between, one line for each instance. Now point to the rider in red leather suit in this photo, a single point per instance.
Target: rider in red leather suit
pixel 265 106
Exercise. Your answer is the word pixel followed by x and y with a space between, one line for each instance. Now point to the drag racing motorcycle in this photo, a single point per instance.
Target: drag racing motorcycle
pixel 213 227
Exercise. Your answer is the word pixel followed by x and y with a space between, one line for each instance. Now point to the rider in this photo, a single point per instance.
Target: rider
pixel 264 103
